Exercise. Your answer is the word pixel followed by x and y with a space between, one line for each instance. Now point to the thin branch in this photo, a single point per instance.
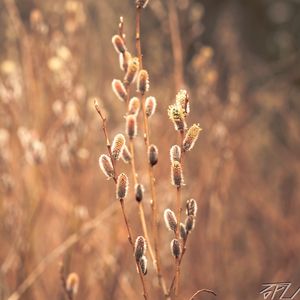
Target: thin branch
pixel 201 291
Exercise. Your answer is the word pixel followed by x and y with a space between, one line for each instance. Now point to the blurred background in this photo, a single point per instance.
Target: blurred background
pixel 239 61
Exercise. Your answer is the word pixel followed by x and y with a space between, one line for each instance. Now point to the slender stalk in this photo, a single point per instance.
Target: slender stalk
pixel 201 291
pixel 157 265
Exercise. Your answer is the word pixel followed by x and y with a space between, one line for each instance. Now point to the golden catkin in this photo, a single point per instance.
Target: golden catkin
pixel 126 156
pixel 143 264
pixel 175 153
pixel 170 220
pixel 72 283
pixel 182 100
pixel 152 155
pixel 106 166
pixel 143 82
pixel 118 43
pixel 132 70
pixel 119 90
pixel 176 174
pixel 177 116
pixel 191 137
pixel 131 126
pixel 175 248
pixel 141 3
pixel 139 192
pixel 150 106
pixel 140 247
pixel 191 207
pixel 134 106
pixel 117 146
pixel 124 59
pixel 122 186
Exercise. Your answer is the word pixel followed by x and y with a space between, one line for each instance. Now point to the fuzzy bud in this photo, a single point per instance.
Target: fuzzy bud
pixel 139 192
pixel 183 233
pixel 132 70
pixel 182 100
pixel 122 186
pixel 118 43
pixel 106 166
pixel 175 248
pixel 191 207
pixel 152 155
pixel 175 153
pixel 189 223
pixel 131 126
pixel 117 146
pixel 176 174
pixel 170 220
pixel 143 82
pixel 140 247
pixel 134 106
pixel 72 283
pixel 177 116
pixel 143 264
pixel 141 3
pixel 119 90
pixel 124 59
pixel 150 106
pixel 191 137
pixel 126 156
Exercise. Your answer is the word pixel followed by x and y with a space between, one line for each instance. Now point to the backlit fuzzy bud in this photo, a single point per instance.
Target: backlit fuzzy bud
pixel 134 106
pixel 175 248
pixel 170 220
pixel 117 146
pixel 183 233
pixel 189 223
pixel 132 70
pixel 150 106
pixel 152 155
pixel 118 43
pixel 191 207
pixel 140 247
pixel 119 90
pixel 175 153
pixel 72 283
pixel 141 3
pixel 122 186
pixel 143 264
pixel 176 174
pixel 182 100
pixel 191 137
pixel 131 126
pixel 106 166
pixel 143 82
pixel 177 116
pixel 124 59
pixel 126 156
pixel 139 192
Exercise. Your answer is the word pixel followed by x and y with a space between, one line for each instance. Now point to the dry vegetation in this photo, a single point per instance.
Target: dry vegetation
pixel 60 222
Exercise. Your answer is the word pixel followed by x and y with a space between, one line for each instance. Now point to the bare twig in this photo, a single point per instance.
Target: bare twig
pixel 201 291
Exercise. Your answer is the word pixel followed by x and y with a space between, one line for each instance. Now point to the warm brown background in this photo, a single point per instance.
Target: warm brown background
pixel 239 61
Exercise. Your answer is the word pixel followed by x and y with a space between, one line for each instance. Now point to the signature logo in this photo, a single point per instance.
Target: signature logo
pixel 278 291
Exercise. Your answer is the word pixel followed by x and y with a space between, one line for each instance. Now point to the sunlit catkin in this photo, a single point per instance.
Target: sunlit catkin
pixel 117 146
pixel 191 137
pixel 122 186
pixel 124 59
pixel 140 247
pixel 106 166
pixel 126 156
pixel 131 126
pixel 119 90
pixel 150 106
pixel 152 155
pixel 175 248
pixel 143 264
pixel 143 82
pixel 191 207
pixel 141 3
pixel 182 100
pixel 139 192
pixel 175 153
pixel 177 116
pixel 183 232
pixel 134 106
pixel 72 283
pixel 189 223
pixel 176 174
pixel 118 43
pixel 170 220
pixel 132 70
